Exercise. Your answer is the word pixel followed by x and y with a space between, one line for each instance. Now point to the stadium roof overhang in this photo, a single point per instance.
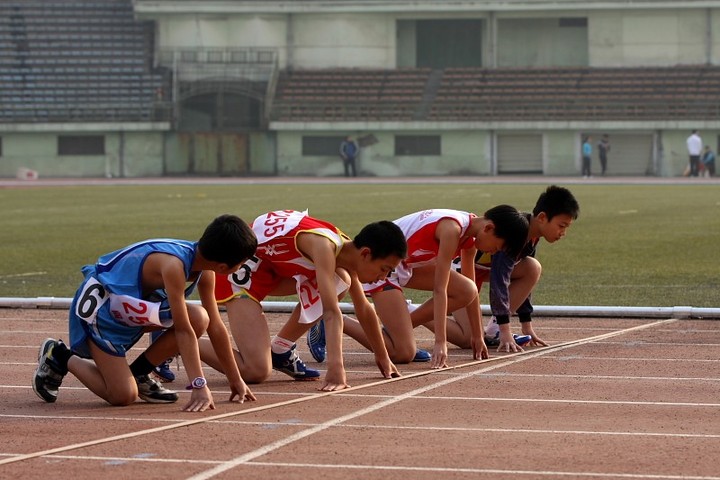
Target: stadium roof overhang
pixel 152 8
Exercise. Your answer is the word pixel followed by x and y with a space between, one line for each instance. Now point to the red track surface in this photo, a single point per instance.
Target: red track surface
pixel 610 398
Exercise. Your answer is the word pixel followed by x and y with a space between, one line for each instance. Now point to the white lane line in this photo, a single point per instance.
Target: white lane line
pixel 247 457
pixel 513 358
pixel 138 459
pixel 487 471
pixel 606 377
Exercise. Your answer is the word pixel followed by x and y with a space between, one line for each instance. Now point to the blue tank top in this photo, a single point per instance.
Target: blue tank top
pixel 120 271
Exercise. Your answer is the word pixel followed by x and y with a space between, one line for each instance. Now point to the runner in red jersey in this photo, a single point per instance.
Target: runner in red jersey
pixel 299 254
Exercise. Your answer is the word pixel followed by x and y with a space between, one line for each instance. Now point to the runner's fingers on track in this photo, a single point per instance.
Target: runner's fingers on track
pixel 510 347
pixel 538 342
pixel 439 356
pixel 331 387
pixel 198 406
pixel 200 400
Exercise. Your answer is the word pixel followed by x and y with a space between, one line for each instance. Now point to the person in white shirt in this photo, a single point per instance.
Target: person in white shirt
pixel 694 146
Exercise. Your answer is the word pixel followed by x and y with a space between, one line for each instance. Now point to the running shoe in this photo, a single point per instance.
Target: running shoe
pixel 152 391
pixel 316 341
pixel 289 363
pixel 163 372
pixel 49 374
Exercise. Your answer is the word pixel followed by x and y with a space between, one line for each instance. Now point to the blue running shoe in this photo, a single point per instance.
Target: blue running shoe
pixel 522 340
pixel 316 341
pixel 422 356
pixel 290 364
pixel 163 372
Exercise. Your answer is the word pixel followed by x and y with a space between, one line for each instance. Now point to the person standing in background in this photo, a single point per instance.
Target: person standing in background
pixel 349 150
pixel 708 159
pixel 694 147
pixel 586 156
pixel 603 149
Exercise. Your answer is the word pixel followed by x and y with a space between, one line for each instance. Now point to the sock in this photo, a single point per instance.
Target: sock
pixel 141 366
pixel 492 328
pixel 281 345
pixel 61 356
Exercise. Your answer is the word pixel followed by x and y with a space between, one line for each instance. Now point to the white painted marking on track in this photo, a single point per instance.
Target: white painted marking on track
pixel 510 360
pixel 485 470
pixel 503 361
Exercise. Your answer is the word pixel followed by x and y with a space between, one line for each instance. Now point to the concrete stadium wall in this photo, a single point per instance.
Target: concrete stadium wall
pixel 674 149
pixel 238 31
pixel 131 154
pixel 540 42
pixel 653 37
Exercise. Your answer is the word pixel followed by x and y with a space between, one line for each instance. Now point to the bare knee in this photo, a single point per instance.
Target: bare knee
pixel 256 374
pixel 404 353
pixel 122 398
pixel 199 319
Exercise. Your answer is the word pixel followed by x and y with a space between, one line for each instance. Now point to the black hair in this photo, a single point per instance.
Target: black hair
pixel 383 238
pixel 557 201
pixel 229 240
pixel 511 225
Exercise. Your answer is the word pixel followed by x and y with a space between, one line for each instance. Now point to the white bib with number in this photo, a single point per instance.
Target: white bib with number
pixel 311 307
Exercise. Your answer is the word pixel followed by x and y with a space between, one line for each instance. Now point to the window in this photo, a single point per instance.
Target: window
pixel 81 145
pixel 215 56
pixel 416 145
pixel 321 146
pixel 572 22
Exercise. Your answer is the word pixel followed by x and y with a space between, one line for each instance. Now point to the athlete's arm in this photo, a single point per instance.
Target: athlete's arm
pixel 172 272
pixel 447 233
pixel 370 324
pixel 477 340
pixel 220 339
pixel 322 253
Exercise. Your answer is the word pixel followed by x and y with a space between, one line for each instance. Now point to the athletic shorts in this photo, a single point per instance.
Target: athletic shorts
pixel 396 280
pixel 113 322
pixel 257 279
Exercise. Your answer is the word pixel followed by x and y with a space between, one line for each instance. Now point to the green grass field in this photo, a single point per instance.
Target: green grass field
pixel 633 245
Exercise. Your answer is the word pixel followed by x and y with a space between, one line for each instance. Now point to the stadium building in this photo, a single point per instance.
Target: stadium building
pixel 123 88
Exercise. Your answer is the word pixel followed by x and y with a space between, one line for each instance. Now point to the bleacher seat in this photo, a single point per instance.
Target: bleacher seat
pixel 504 94
pixel 76 61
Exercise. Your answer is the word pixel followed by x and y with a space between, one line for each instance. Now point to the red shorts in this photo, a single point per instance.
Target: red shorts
pixel 254 278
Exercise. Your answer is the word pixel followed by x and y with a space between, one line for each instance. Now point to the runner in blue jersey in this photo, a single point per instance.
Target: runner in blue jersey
pixel 139 289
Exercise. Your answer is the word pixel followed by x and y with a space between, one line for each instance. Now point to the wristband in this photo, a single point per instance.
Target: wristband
pixel 524 317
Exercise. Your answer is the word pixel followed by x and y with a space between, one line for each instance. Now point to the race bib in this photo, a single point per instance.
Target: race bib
pixel 242 277
pixel 92 297
pixel 274 224
pixel 311 307
pixel 134 312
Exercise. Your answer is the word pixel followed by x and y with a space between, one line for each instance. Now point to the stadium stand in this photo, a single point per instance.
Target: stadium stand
pixel 500 94
pixel 66 61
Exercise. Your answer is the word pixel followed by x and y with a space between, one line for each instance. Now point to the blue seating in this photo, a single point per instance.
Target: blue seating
pixel 76 61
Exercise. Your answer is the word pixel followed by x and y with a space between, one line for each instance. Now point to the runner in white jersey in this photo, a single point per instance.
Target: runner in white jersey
pixel 434 238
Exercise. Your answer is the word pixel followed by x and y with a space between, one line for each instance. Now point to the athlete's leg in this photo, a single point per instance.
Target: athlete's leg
pixel 166 344
pixel 250 332
pixel 461 292
pixel 107 376
pixel 523 279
